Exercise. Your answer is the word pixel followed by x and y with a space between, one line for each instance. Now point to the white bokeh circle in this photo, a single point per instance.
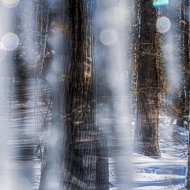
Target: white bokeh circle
pixel 108 37
pixel 10 41
pixel 163 24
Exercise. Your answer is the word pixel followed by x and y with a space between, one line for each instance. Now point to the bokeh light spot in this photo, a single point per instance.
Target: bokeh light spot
pixel 10 41
pixel 108 37
pixel 163 24
pixel 11 3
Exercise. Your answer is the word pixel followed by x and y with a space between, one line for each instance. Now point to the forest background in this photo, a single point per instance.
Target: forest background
pixel 80 74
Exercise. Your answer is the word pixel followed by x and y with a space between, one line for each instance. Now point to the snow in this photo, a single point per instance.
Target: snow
pixel 167 172
pixel 170 187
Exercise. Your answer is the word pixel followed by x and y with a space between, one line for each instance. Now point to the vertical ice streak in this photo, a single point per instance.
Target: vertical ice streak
pixel 18 95
pixel 112 58
pixel 29 30
pixel 5 179
pixel 167 25
pixel 9 42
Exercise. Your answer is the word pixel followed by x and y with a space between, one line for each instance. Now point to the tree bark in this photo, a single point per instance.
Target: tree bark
pixel 184 59
pixel 185 86
pixel 82 160
pixel 91 167
pixel 146 136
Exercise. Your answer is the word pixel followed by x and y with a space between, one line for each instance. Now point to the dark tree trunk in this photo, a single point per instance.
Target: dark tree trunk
pixel 147 83
pixel 91 165
pixel 184 61
pixel 185 83
pixel 81 162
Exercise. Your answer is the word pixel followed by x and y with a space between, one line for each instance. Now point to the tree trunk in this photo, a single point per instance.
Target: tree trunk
pixel 184 58
pixel 185 86
pixel 91 165
pixel 81 158
pixel 146 135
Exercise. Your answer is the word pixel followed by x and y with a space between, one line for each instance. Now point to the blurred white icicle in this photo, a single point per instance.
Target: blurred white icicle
pixel 9 41
pixel 114 26
pixel 10 128
pixel 4 151
pixel 171 47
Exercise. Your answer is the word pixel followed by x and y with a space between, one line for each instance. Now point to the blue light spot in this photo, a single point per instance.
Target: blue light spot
pixel 157 3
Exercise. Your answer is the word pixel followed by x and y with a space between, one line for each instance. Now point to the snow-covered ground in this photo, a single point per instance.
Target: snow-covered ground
pixel 167 172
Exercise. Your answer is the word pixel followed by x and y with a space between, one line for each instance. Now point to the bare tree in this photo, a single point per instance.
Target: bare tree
pixel 146 135
pixel 74 156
